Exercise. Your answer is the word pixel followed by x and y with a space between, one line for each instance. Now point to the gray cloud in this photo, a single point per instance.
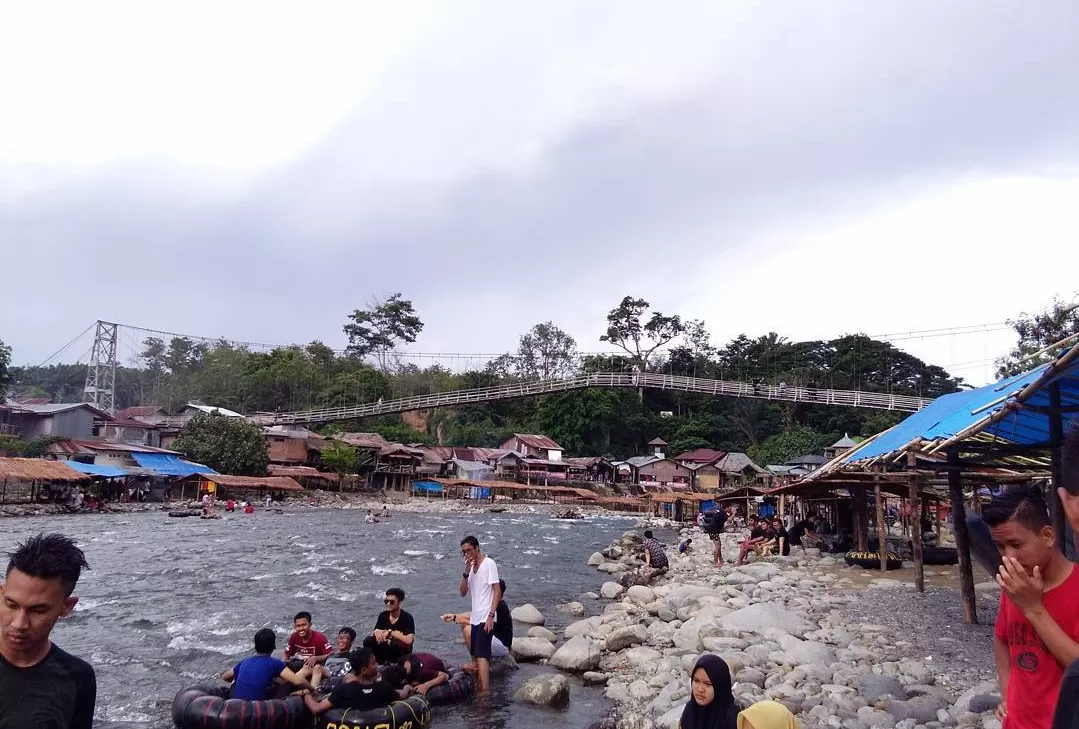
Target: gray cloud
pixel 792 114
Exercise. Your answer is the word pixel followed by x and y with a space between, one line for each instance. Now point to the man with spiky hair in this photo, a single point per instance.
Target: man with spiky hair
pixel 42 686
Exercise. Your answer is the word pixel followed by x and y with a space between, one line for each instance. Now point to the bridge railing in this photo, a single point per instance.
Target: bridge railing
pixel 650 380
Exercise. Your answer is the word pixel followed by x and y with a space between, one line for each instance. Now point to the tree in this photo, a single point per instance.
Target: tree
pixel 377 331
pixel 226 444
pixel 640 339
pixel 788 445
pixel 545 352
pixel 341 458
pixel 5 373
pixel 1036 332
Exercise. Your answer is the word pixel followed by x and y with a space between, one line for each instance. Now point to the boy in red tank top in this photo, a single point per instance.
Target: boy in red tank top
pixel 1038 624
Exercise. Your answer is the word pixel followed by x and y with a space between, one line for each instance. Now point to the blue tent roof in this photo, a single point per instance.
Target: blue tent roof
pixel 167 464
pixel 91 469
pixel 950 415
pixel 428 486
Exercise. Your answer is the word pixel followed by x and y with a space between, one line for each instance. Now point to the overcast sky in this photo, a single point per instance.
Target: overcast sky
pixel 258 170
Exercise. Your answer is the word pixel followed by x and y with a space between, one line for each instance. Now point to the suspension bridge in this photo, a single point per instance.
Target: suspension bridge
pixel 636 380
pixel 103 356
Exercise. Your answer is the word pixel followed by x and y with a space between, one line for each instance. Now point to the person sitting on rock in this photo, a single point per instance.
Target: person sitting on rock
pixel 501 641
pixel 328 675
pixel 655 557
pixel 422 671
pixel 684 546
pixel 360 690
pixel 767 715
pixel 395 629
pixel 711 701
pixel 752 542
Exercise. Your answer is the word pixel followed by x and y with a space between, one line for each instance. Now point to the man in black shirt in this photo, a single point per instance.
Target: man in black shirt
pixel 395 630
pixel 753 542
pixel 41 686
pixel 361 689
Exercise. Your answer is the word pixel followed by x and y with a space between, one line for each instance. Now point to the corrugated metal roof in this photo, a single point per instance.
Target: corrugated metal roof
pixel 105 445
pixel 60 407
pixel 368 441
pixel 700 455
pixel 141 411
pixel 537 441
pixel 210 409
pixel 737 463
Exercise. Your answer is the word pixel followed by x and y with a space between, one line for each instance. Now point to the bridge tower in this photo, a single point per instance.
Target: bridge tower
pixel 100 389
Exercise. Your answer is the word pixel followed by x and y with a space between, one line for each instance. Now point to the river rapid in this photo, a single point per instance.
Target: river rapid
pixel 170 602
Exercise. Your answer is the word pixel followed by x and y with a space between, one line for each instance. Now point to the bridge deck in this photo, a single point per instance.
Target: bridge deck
pixel 648 380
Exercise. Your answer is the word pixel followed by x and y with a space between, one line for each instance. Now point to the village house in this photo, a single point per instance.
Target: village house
pixel 536 446
pixel 292 445
pixel 53 420
pixel 842 445
pixel 151 414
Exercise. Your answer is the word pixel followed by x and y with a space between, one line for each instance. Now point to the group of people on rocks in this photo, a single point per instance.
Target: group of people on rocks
pixel 385 667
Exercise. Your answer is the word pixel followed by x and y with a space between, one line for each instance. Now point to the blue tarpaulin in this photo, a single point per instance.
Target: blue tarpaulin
pixel 167 464
pixel 950 415
pixel 427 486
pixel 91 469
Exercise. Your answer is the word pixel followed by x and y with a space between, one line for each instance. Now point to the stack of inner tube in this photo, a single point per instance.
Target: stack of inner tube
pixel 412 713
pixel 209 707
pixel 871 560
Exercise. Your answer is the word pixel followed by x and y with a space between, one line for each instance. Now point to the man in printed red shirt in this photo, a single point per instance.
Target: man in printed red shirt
pixel 1038 623
pixel 308 646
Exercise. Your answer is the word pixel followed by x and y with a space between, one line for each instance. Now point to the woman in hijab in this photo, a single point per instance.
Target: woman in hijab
pixel 711 703
pixel 767 715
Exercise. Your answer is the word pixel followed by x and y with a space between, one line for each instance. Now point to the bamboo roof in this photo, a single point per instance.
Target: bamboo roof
pixel 37 469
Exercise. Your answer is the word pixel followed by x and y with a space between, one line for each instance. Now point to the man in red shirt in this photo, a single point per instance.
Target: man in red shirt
pixel 1038 623
pixel 306 645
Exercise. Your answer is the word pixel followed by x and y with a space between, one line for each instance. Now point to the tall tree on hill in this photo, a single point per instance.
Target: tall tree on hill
pixel 378 330
pixel 544 352
pixel 226 444
pixel 5 373
pixel 1036 332
pixel 628 329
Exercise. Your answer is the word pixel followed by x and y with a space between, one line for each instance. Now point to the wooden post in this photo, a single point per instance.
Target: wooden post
pixel 881 540
pixel 936 516
pixel 962 538
pixel 1065 538
pixel 861 519
pixel 916 536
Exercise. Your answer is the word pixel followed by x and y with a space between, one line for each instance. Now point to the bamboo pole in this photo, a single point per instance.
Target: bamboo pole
pixel 962 538
pixel 881 541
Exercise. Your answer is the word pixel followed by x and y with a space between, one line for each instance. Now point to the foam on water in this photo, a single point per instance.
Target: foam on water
pixel 389 569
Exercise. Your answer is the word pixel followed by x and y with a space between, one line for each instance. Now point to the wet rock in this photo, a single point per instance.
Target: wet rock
pixel 528 614
pixel 981 703
pixel 572 608
pixel 578 654
pixel 549 689
pixel 596 559
pixel 526 649
pixel 611 590
pixel 537 631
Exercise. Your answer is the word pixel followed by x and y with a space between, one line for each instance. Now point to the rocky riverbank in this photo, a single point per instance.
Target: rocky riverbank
pixel 314 499
pixel 839 646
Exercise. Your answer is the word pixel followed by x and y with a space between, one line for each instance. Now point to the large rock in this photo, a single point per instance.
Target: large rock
pixel 612 567
pixel 873 687
pixel 538 631
pixel 642 656
pixel 526 649
pixel 572 608
pixel 640 594
pixel 985 688
pixel 586 627
pixel 761 616
pixel 796 652
pixel 611 590
pixel 549 689
pixel 576 654
pixel 596 559
pixel 527 614
pixel 625 637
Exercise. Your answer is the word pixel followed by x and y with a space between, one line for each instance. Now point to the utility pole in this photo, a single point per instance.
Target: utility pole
pixel 100 389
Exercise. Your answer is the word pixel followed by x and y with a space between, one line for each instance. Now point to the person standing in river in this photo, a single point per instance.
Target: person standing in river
pixel 480 580
pixel 42 686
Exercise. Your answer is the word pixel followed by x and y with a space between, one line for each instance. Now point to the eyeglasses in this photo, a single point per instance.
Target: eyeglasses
pixel 390 602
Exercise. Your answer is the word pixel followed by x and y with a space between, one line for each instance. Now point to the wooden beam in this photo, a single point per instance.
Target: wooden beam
pixel 882 540
pixel 861 520
pixel 962 538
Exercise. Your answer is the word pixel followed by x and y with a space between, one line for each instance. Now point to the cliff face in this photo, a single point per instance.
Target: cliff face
pixel 417 420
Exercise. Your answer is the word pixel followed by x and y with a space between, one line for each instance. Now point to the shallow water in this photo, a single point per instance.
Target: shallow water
pixel 171 602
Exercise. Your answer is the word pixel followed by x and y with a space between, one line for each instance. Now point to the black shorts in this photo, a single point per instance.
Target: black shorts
pixel 716 537
pixel 481 642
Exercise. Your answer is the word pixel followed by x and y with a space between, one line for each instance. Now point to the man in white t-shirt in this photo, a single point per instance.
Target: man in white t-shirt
pixel 480 580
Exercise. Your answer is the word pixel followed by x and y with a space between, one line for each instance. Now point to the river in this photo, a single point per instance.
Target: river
pixel 170 602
